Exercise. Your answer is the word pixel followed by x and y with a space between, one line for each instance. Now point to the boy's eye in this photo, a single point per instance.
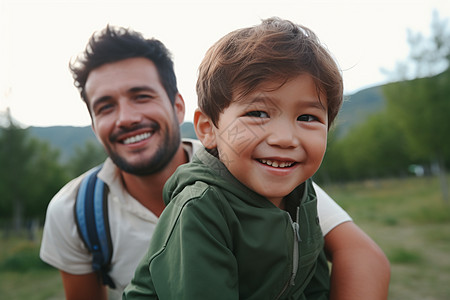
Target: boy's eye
pixel 307 118
pixel 257 114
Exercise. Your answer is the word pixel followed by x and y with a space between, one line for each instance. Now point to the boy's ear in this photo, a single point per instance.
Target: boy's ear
pixel 204 128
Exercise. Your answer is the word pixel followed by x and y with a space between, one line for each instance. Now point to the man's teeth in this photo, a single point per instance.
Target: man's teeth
pixel 276 164
pixel 136 138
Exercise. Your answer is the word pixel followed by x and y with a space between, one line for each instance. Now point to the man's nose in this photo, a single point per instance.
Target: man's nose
pixel 128 115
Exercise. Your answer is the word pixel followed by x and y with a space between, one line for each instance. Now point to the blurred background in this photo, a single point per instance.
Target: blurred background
pixel 387 154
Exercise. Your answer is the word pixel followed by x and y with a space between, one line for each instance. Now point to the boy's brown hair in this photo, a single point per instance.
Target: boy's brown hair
pixel 274 51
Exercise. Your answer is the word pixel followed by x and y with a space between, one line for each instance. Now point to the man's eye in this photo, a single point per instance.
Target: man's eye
pixel 103 108
pixel 143 96
pixel 307 118
pixel 257 114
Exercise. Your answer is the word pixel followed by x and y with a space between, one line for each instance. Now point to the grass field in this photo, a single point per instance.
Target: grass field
pixel 407 218
pixel 411 223
pixel 23 275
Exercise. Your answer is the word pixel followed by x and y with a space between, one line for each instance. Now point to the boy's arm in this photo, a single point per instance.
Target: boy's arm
pixel 84 287
pixel 360 269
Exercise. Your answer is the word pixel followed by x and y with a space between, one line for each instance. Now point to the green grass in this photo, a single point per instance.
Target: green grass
pixel 410 221
pixel 406 217
pixel 33 284
pixel 22 257
pixel 23 275
pixel 405 256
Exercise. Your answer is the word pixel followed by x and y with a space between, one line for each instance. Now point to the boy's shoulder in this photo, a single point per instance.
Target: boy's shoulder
pixel 199 196
pixel 192 192
pixel 190 181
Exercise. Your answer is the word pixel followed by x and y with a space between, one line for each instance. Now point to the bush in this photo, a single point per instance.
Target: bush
pixel 23 259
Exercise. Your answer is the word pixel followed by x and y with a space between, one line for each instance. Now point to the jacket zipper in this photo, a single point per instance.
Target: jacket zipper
pixel 295 254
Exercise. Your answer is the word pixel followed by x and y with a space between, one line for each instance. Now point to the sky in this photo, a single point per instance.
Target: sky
pixel 39 38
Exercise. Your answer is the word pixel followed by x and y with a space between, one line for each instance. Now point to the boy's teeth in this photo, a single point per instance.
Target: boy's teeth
pixel 136 138
pixel 276 164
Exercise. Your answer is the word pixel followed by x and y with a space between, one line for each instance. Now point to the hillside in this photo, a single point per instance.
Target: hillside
pixel 68 138
pixel 65 138
pixel 356 108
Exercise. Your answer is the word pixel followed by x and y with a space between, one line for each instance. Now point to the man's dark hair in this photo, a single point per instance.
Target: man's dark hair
pixel 113 44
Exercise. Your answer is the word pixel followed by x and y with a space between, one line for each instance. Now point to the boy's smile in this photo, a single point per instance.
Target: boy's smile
pixel 276 163
pixel 275 138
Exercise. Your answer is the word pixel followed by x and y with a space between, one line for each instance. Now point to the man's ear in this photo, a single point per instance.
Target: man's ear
pixel 91 114
pixel 205 129
pixel 179 107
pixel 95 132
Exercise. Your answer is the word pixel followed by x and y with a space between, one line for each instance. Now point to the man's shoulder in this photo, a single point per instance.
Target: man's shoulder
pixel 65 196
pixel 61 245
pixel 191 146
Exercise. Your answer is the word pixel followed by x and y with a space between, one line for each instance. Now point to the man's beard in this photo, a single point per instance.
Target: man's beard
pixel 164 154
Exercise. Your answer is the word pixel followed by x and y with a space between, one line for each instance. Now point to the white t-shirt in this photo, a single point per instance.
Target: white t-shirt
pixel 131 227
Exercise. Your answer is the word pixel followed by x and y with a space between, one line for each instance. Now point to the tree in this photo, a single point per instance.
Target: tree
pixel 45 177
pixel 421 105
pixel 85 158
pixel 29 175
pixel 373 149
pixel 13 159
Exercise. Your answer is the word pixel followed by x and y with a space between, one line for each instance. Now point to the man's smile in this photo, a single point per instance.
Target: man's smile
pixel 136 138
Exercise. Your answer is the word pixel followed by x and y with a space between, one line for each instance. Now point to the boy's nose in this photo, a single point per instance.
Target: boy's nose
pixel 283 134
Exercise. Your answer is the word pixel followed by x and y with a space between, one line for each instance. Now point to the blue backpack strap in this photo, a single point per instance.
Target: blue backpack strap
pixel 91 216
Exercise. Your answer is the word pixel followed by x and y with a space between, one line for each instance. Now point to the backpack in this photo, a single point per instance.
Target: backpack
pixel 91 217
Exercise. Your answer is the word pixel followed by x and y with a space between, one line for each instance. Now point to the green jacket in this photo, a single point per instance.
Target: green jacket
pixel 217 239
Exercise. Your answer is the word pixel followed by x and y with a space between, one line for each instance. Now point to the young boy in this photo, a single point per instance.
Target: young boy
pixel 242 217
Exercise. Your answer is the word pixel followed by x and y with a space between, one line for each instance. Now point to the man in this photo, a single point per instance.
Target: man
pixel 129 87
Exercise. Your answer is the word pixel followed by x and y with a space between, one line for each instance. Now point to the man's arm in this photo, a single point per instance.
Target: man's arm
pixel 62 248
pixel 360 269
pixel 83 287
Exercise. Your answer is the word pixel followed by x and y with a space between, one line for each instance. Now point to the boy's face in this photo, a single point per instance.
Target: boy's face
pixel 273 141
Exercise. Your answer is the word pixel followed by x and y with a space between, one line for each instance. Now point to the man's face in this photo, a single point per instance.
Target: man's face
pixel 132 115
